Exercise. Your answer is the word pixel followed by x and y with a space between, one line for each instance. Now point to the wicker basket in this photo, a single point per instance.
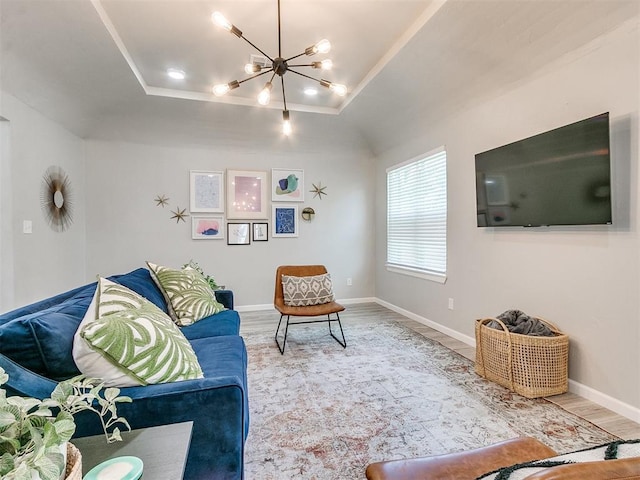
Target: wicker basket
pixel 74 463
pixel 529 365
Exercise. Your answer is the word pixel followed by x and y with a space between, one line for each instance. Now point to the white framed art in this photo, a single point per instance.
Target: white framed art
pixel 284 221
pixel 207 227
pixel 206 191
pixel 287 185
pixel 247 194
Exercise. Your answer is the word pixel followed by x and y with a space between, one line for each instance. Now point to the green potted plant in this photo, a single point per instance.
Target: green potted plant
pixel 194 265
pixel 34 433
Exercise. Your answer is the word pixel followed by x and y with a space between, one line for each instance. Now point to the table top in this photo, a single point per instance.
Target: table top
pixel 163 449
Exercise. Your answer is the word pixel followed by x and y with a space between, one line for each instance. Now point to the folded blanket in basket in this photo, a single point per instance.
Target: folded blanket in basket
pixel 517 321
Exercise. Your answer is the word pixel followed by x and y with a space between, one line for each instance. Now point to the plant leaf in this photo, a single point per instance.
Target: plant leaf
pixel 6 464
pixel 51 465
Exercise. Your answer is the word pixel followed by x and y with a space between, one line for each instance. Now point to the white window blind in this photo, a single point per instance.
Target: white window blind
pixel 417 215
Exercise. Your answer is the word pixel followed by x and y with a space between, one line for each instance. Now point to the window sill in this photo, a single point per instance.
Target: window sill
pixel 432 277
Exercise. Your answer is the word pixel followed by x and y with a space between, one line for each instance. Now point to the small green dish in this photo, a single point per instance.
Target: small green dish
pixel 119 468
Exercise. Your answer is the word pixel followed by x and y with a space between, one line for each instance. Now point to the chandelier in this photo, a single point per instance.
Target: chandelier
pixel 279 66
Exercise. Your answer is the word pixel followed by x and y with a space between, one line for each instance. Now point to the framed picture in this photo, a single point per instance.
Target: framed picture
pixel 287 185
pixel 207 228
pixel 238 234
pixel 247 194
pixel 206 191
pixel 284 221
pixel 260 232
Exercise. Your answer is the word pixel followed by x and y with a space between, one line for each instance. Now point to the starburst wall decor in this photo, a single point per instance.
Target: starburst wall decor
pixel 161 201
pixel 179 214
pixel 56 198
pixel 318 190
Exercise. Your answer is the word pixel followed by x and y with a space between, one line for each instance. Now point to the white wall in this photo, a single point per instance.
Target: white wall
pixel 44 262
pixel 125 227
pixel 585 279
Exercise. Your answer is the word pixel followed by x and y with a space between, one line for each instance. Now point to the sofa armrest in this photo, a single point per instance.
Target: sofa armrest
pixel 24 382
pixel 624 468
pixel 462 465
pixel 225 297
pixel 218 408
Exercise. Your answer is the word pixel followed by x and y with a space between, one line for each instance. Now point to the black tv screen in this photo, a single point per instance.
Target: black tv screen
pixel 560 177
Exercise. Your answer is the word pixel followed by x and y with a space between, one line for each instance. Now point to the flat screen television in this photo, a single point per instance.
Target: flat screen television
pixel 560 177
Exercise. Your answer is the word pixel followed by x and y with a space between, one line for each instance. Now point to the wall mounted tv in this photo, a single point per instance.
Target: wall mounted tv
pixel 560 177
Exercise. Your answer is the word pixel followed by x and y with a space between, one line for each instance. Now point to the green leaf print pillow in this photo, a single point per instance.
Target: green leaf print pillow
pixel 189 296
pixel 126 340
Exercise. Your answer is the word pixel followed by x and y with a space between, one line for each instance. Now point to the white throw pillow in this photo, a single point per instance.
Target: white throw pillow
pixel 126 340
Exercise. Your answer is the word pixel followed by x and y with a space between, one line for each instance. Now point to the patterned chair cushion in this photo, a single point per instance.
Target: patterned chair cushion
pixel 306 291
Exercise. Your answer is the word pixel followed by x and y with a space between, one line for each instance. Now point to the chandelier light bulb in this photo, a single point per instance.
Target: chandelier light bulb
pixel 338 89
pixel 220 90
pixel 286 123
pixel 323 46
pixel 250 68
pixel 221 21
pixel 325 64
pixel 265 94
pixel 224 88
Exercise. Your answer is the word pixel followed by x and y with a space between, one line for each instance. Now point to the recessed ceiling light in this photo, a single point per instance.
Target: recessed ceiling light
pixel 176 74
pixel 310 91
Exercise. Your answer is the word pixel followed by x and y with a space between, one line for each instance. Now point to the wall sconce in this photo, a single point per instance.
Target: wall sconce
pixel 307 214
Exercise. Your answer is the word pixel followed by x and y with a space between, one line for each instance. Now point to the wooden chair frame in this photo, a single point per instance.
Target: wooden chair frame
pixel 309 311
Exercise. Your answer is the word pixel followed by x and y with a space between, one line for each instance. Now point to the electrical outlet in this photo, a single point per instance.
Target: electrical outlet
pixel 27 226
pixel 451 304
pixel 349 282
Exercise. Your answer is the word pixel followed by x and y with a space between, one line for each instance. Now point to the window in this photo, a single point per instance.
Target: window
pixel 417 216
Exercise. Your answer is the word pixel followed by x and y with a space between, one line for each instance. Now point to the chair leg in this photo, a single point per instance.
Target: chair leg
pixel 344 341
pixel 286 330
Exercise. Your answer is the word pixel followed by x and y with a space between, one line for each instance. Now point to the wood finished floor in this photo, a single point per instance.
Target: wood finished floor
pixel 371 313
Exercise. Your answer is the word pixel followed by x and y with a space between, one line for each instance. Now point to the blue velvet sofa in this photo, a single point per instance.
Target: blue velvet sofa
pixel 36 351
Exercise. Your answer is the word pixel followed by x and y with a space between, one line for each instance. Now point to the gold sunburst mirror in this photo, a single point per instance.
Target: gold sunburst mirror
pixel 56 199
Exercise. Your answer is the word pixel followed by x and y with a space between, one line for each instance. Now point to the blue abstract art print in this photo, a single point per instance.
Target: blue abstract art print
pixel 285 221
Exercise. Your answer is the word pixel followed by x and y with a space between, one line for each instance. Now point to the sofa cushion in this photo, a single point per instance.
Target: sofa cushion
pixel 41 341
pixel 306 291
pixel 189 297
pixel 42 344
pixel 226 322
pixel 608 451
pixel 126 340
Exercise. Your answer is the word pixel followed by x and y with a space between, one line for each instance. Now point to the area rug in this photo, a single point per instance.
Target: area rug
pixel 321 412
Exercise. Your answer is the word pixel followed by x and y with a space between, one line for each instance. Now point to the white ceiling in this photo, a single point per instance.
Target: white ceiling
pixel 99 66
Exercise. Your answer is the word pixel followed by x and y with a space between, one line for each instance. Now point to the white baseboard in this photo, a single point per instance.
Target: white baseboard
pixel 429 323
pixel 606 401
pixel 254 308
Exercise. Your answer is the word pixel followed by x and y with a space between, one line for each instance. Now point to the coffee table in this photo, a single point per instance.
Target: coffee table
pixel 163 450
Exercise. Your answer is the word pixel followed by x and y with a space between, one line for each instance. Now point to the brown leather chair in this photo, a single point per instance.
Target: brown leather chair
pixel 307 311
pixel 471 464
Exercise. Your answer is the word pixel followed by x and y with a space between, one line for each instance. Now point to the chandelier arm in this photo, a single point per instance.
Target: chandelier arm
pixel 256 75
pixel 306 76
pixel 295 56
pixel 284 98
pixel 256 47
